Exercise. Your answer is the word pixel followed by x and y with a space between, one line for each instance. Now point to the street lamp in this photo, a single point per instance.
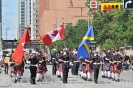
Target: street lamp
pixel 1 52
pixel 6 37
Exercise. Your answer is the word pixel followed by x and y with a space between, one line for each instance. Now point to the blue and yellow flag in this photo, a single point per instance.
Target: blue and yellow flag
pixel 84 50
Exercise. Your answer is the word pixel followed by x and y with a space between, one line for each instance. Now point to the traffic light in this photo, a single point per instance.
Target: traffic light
pixel 110 6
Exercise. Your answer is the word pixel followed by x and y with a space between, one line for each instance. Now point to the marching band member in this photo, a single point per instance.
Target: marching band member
pixel 89 68
pixel 107 59
pixel 112 66
pixel 117 66
pixel 41 69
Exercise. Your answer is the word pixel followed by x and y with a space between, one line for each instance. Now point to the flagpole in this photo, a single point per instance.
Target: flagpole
pixel 88 17
pixel 63 25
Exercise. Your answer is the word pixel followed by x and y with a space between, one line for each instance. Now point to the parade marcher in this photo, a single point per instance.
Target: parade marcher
pixel 53 60
pixel 41 68
pixel 2 68
pixel 75 64
pixel 6 61
pixel 75 67
pixel 82 66
pixel 102 65
pixel 89 67
pixel 33 60
pixel 96 66
pixel 112 66
pixel 107 59
pixel 59 64
pixel 117 66
pixel 65 66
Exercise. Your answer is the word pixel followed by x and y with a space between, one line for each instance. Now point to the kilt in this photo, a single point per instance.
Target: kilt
pixel 42 70
pixel 88 69
pixel 104 67
pixel 13 70
pixel 84 68
pixel 116 69
pixel 60 68
pixel 22 69
pixel 111 68
pixel 19 69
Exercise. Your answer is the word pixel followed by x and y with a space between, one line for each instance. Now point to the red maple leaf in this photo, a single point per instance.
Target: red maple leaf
pixel 55 32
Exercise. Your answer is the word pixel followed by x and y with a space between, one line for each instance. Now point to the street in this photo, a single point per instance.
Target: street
pixel 126 80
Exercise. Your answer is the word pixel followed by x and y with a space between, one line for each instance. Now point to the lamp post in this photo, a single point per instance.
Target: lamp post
pixel 6 37
pixel 1 52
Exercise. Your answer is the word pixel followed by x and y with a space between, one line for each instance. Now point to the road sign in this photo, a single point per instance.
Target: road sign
pixel 128 4
pixel 93 4
pixel 110 6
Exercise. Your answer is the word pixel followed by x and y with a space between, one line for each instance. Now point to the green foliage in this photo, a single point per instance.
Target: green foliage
pixel 3 44
pixel 111 28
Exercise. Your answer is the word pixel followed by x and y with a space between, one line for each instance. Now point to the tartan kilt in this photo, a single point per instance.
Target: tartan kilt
pixel 42 71
pixel 111 68
pixel 60 68
pixel 104 67
pixel 22 69
pixel 13 70
pixel 84 68
pixel 19 70
pixel 88 69
pixel 116 69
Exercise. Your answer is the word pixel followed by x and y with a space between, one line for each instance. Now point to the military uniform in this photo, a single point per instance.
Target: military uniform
pixel 65 67
pixel 96 66
pixel 53 60
pixel 33 60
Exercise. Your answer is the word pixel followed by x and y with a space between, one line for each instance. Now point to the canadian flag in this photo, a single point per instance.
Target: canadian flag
pixel 54 35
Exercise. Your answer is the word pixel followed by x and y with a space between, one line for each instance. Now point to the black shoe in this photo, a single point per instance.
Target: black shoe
pixel 103 76
pixel 109 77
pixel 64 82
pixel 89 79
pixel 33 83
pixel 118 80
pixel 113 79
pixel 15 80
pixel 96 82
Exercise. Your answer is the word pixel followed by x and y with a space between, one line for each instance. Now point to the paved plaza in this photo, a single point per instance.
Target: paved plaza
pixel 50 81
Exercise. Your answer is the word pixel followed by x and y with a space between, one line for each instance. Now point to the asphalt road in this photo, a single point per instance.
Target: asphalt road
pixel 126 81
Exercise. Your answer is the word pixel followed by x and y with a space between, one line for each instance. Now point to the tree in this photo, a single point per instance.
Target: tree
pixel 3 44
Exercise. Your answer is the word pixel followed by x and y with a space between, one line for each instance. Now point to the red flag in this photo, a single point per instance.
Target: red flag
pixel 54 35
pixel 18 54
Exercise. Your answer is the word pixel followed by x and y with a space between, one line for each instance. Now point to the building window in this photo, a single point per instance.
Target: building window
pixel 47 6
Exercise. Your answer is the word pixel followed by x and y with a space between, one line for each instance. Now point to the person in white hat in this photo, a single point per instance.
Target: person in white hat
pixel 33 60
pixel 96 65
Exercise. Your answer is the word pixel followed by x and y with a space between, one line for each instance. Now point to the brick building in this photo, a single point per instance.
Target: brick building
pixel 52 13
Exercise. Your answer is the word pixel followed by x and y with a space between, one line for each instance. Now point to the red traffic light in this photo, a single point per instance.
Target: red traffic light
pixel 109 6
pixel 104 7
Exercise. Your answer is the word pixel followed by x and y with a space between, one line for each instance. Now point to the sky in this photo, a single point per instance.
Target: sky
pixel 9 18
